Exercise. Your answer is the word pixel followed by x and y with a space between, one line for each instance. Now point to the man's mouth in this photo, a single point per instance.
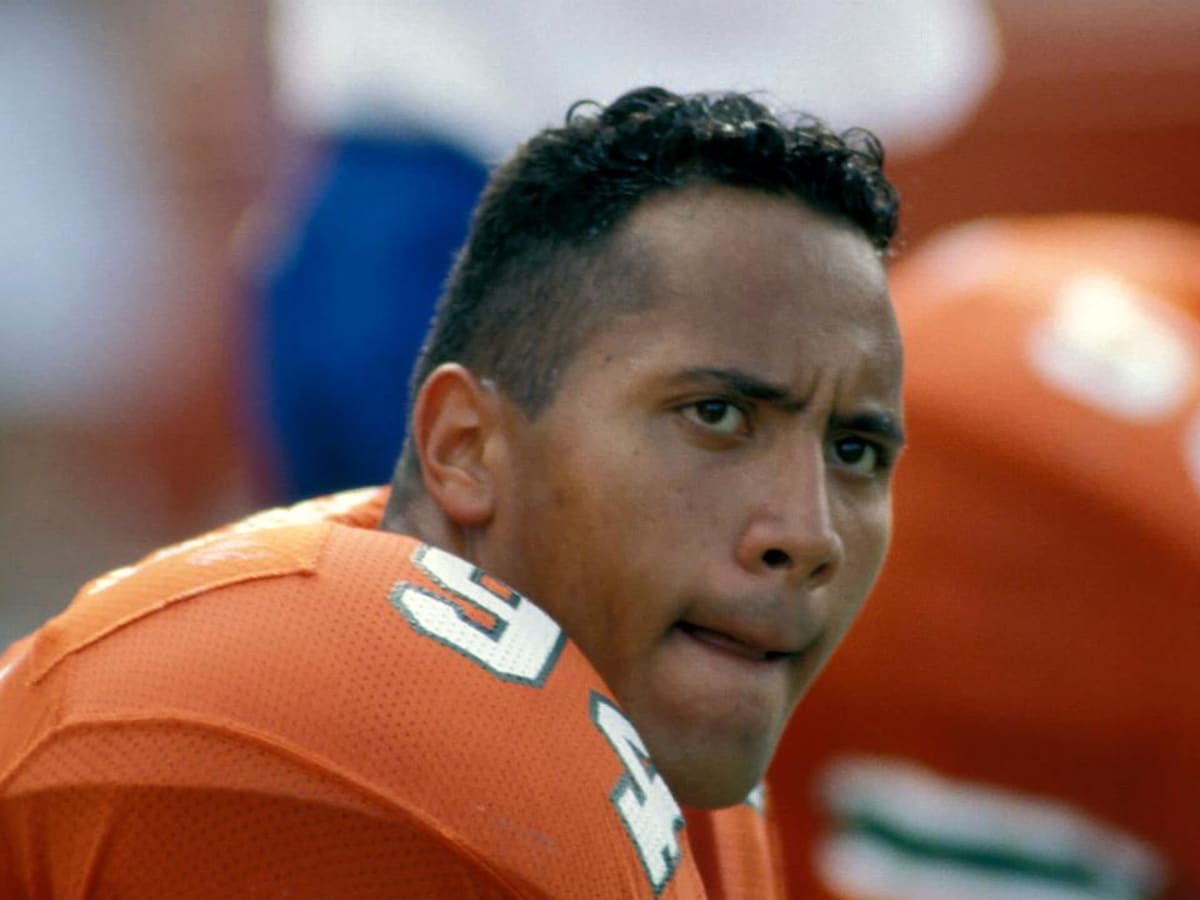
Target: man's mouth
pixel 727 643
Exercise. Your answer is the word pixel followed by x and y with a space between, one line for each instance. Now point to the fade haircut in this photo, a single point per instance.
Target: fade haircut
pixel 539 272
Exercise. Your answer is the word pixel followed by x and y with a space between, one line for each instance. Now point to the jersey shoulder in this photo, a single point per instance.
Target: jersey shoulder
pixel 270 544
pixel 338 651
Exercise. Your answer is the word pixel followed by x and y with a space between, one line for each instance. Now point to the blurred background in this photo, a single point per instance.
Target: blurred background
pixel 153 157
pixel 190 194
pixel 152 152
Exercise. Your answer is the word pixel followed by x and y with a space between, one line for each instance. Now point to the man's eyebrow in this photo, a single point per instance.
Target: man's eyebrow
pixel 879 423
pixel 739 381
pixel 883 425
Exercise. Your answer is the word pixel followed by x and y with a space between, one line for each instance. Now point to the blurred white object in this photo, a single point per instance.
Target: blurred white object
pixel 1105 346
pixel 909 833
pixel 491 72
pixel 82 240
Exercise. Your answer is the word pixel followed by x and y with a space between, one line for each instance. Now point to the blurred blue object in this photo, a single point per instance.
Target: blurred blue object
pixel 348 302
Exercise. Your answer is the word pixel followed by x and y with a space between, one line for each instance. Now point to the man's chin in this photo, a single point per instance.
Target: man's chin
pixel 710 796
pixel 715 783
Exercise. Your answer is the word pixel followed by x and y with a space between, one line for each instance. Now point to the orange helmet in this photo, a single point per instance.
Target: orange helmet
pixel 1032 653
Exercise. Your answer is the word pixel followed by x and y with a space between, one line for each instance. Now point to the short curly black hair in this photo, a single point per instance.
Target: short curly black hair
pixel 534 279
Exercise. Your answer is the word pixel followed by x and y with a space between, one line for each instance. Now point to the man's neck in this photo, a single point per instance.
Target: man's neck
pixel 413 513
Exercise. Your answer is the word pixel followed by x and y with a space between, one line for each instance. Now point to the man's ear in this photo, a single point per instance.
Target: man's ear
pixel 455 416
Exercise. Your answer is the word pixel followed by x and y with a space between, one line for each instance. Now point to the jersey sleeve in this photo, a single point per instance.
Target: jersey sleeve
pixel 322 710
pixel 141 809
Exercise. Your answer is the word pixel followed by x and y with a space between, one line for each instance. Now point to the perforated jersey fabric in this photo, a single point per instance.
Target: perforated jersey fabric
pixel 303 706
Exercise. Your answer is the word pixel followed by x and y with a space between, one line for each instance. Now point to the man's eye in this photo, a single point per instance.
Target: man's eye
pixel 859 456
pixel 721 416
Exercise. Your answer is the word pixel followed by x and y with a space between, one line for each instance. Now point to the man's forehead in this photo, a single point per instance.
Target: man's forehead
pixel 690 213
pixel 742 242
pixel 740 278
pixel 674 344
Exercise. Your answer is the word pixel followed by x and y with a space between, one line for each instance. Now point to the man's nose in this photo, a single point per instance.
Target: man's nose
pixel 792 531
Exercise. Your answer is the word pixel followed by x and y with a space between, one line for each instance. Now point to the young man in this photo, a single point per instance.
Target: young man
pixel 660 400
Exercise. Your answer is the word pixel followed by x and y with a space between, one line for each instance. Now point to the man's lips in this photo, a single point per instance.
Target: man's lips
pixel 731 645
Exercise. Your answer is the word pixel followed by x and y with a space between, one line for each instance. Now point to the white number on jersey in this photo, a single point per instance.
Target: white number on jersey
pixel 641 798
pixel 521 645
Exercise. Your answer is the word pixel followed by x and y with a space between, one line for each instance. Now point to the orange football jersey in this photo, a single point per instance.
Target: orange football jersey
pixel 1017 712
pixel 301 705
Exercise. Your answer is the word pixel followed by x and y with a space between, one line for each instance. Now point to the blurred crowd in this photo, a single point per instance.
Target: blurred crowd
pixel 223 226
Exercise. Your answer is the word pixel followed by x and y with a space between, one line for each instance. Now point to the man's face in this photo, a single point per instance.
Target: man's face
pixel 705 503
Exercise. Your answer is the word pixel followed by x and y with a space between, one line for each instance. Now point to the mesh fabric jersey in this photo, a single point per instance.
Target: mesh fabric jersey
pixel 302 706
